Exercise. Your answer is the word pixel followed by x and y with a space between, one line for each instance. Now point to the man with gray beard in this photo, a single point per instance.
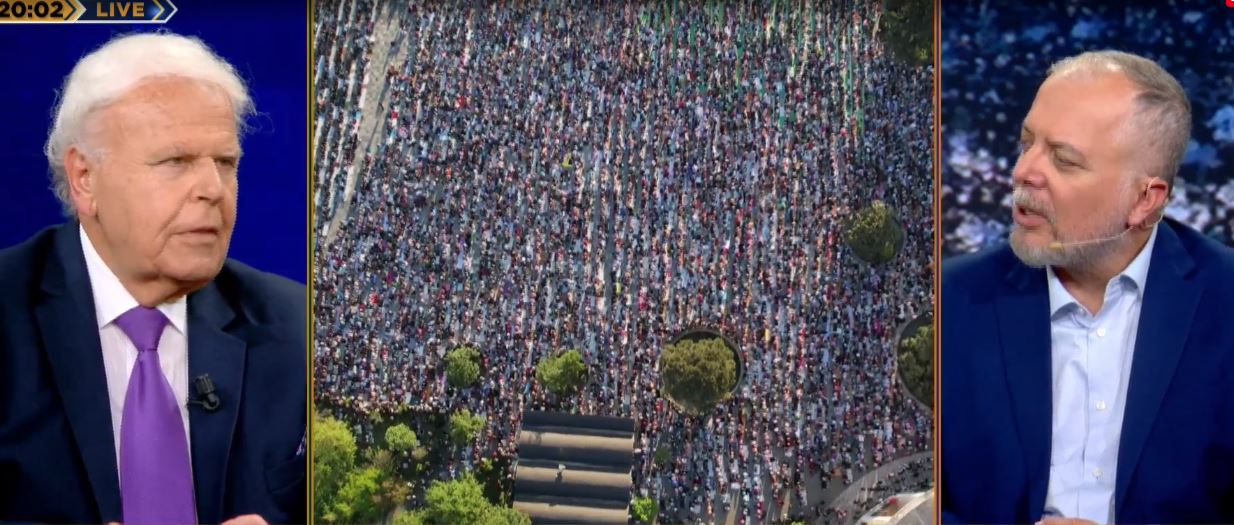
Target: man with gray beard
pixel 1088 365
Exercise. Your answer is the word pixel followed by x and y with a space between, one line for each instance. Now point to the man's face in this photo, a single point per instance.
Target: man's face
pixel 1072 178
pixel 163 191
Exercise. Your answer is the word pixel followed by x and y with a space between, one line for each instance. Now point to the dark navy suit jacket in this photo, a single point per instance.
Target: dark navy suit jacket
pixel 1176 449
pixel 57 457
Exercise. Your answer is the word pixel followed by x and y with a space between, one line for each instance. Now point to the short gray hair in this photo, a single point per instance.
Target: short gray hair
pixel 118 66
pixel 1163 112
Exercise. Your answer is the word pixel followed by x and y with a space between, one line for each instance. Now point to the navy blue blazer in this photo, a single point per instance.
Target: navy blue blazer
pixel 57 453
pixel 1176 450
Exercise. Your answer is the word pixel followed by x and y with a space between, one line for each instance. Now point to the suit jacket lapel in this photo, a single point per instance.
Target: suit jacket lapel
pixel 216 352
pixel 68 324
pixel 1170 300
pixel 1023 313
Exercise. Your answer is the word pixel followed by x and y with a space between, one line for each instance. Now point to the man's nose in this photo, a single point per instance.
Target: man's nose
pixel 210 184
pixel 1027 170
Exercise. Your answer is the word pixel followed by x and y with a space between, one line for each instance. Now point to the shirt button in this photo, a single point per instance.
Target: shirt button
pixel 1101 405
pixel 1101 332
pixel 1097 473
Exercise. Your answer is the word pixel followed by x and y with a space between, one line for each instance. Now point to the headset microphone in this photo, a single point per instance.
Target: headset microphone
pixel 1058 246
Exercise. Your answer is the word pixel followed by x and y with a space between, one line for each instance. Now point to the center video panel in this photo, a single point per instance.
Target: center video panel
pixel 614 262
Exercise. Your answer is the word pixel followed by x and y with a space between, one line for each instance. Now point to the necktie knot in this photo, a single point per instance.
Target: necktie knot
pixel 143 326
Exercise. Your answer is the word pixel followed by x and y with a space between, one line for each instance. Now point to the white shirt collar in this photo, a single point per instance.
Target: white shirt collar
pixel 1136 272
pixel 111 299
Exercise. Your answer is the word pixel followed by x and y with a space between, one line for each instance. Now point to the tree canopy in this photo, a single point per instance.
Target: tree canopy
pixel 334 457
pixel 875 235
pixel 664 454
pixel 455 501
pixel 916 363
pixel 464 427
pixel 463 367
pixel 907 29
pixel 358 499
pixel 563 373
pixel 644 510
pixel 495 515
pixel 406 517
pixel 697 374
pixel 401 439
pixel 462 501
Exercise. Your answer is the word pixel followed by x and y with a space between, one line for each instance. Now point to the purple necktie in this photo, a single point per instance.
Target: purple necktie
pixel 156 480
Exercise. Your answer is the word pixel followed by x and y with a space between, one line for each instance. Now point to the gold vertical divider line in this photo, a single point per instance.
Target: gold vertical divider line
pixel 938 262
pixel 309 243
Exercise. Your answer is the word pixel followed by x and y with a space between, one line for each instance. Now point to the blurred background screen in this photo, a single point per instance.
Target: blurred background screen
pixel 272 219
pixel 996 52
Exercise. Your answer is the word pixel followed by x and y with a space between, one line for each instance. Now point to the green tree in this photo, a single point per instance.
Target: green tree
pixel 644 509
pixel 697 374
pixel 916 364
pixel 664 454
pixel 463 367
pixel 381 458
pixel 464 427
pixel 494 479
pixel 874 235
pixel 401 439
pixel 495 515
pixel 455 501
pixel 334 457
pixel 358 499
pixel 562 373
pixel 393 493
pixel 407 517
pixel 907 28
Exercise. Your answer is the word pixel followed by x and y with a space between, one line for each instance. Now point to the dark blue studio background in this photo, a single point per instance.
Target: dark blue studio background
pixel 994 56
pixel 265 41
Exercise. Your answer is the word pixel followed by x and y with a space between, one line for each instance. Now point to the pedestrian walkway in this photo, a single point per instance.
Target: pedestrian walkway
pixel 853 494
pixel 389 48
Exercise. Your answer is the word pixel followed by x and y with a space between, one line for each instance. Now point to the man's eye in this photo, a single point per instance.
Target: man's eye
pixel 175 161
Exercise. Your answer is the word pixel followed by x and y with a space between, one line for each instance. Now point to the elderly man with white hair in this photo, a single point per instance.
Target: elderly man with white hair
pixel 146 378
pixel 1088 365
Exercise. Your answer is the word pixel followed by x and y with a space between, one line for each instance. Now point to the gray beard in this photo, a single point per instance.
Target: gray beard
pixel 1076 257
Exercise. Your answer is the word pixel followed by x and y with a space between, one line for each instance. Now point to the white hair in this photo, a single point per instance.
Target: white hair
pixel 118 66
pixel 1162 119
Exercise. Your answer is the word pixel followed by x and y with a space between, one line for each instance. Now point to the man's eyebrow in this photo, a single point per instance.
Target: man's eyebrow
pixel 171 150
pixel 1067 148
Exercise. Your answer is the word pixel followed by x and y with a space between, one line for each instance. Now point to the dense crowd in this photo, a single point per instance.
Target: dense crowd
pixel 996 53
pixel 342 39
pixel 600 176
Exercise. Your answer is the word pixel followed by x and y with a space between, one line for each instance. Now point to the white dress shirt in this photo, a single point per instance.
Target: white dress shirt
pixel 110 301
pixel 1090 356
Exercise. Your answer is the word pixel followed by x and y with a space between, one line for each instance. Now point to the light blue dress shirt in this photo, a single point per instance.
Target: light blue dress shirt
pixel 1090 358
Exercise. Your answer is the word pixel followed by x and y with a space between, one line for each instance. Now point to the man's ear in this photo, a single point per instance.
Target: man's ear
pixel 1150 204
pixel 79 170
